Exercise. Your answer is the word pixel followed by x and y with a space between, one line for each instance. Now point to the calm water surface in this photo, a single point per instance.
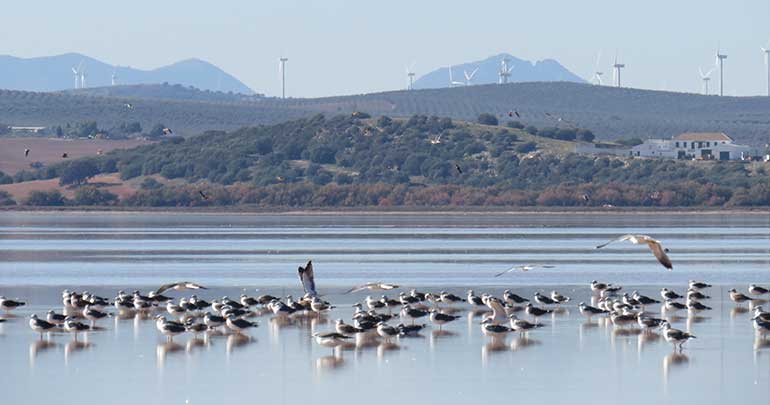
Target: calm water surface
pixel 569 360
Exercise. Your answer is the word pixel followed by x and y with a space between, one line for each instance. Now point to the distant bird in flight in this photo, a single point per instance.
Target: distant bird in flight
pixel 167 131
pixel 458 168
pixel 26 152
pixel 129 106
pixel 372 287
pixel 525 267
pixel 307 278
pixel 204 196
pixel 512 113
pixel 655 246
pixel 180 286
pixel 64 155
pixel 435 140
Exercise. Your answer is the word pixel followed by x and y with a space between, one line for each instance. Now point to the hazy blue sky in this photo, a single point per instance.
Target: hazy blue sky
pixel 346 46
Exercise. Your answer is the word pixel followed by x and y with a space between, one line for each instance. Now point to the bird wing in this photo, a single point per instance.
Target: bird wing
pixel 619 239
pixel 165 287
pixel 358 288
pixel 507 271
pixel 307 278
pixel 660 254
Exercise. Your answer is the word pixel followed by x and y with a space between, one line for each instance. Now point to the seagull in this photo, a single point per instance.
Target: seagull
pixel 196 328
pixel 589 311
pixel 331 339
pixel 739 298
pixel 64 155
pixel 387 331
pixel 157 297
pixel 92 314
pixel 346 329
pixel 694 294
pixel 40 326
pixel 72 326
pixel 410 330
pixel 757 290
pixel 522 326
pixel 129 106
pixel 695 306
pixel 600 287
pixel 698 285
pixel 525 267
pixel 54 318
pixel 560 299
pixel 238 324
pixel 372 303
pixel 644 300
pixel 761 325
pixel 26 152
pixel 497 307
pixel 543 300
pixel 213 321
pixel 319 306
pixel 474 299
pixel 449 298
pixel 247 301
pixel 458 168
pixel 169 328
pixel 174 309
pixel 7 304
pixel 512 298
pixel 673 306
pixel 407 299
pixel 440 318
pixel 413 313
pixel 647 322
pixel 536 312
pixel 655 246
pixel 167 131
pixel 490 328
pixel 204 196
pixel 669 294
pixel 307 278
pixel 180 286
pixel 675 336
pixel 372 287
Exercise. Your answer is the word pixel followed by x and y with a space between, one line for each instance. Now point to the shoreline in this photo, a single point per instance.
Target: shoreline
pixel 406 211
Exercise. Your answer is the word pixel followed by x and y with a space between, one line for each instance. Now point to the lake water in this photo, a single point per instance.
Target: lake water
pixel 567 360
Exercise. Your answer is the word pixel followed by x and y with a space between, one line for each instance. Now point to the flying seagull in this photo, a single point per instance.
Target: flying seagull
pixel 180 286
pixel 458 168
pixel 129 106
pixel 526 267
pixel 26 152
pixel 64 155
pixel 167 131
pixel 372 287
pixel 307 278
pixel 204 196
pixel 657 249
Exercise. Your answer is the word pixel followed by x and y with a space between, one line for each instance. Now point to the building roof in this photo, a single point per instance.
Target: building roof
pixel 703 136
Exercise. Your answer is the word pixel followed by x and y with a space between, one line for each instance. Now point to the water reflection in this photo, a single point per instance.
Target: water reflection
pixel 38 347
pixel 523 342
pixel 672 361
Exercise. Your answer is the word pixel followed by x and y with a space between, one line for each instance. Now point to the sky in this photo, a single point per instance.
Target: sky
pixel 340 47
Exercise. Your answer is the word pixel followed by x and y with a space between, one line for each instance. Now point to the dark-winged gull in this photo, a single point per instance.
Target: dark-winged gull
pixel 655 246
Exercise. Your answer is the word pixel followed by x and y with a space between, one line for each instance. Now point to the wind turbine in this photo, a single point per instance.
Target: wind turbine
pixel 83 78
pixel 282 67
pixel 410 77
pixel 766 51
pixel 77 73
pixel 597 75
pixel 469 77
pixel 705 78
pixel 452 82
pixel 114 76
pixel 721 62
pixel 617 66
pixel 505 71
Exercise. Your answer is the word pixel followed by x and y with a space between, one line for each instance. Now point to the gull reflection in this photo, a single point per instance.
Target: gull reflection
pixel 646 339
pixel 330 362
pixel 37 347
pixel 673 360
pixel 74 346
pixel 366 340
pixel 195 343
pixel 164 349
pixel 493 345
pixel 523 342
pixel 237 340
pixel 738 311
pixel 386 347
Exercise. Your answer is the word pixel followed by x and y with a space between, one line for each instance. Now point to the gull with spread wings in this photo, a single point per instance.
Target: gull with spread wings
pixel 180 286
pixel 525 267
pixel 307 278
pixel 372 287
pixel 655 246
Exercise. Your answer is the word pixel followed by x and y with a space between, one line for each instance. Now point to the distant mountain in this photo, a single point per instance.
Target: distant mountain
pixel 54 73
pixel 547 70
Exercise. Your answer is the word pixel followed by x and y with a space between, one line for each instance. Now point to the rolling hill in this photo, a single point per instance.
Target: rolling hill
pixel 53 73
pixel 611 113
pixel 521 70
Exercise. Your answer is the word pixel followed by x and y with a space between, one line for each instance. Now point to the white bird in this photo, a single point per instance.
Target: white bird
pixel 238 325
pixel 372 287
pixel 180 286
pixel 307 278
pixel 74 327
pixel 655 246
pixel 525 267
pixel 40 326
pixel 332 339
pixel 675 336
pixel 757 290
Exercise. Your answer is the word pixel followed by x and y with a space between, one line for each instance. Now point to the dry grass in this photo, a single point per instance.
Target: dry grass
pixel 108 182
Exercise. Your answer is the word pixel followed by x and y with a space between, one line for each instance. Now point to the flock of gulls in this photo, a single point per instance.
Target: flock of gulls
pixel 385 318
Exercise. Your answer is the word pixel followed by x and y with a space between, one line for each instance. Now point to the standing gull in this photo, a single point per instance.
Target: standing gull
pixel 698 285
pixel 440 318
pixel 739 298
pixel 40 326
pixel 757 290
pixel 675 336
pixel 655 246
pixel 7 304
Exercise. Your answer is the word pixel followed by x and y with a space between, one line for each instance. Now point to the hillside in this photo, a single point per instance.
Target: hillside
pixel 609 112
pixel 521 70
pixel 354 160
pixel 53 73
pixel 165 91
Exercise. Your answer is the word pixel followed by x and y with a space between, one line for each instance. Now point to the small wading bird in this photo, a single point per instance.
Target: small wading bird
pixel 657 249
pixel 372 287
pixel 525 267
pixel 180 286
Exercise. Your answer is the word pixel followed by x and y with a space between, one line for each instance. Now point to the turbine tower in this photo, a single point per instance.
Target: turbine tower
pixel 410 77
pixel 78 72
pixel 453 82
pixel 114 76
pixel 721 62
pixel 766 51
pixel 705 78
pixel 617 66
pixel 597 74
pixel 282 66
pixel 505 71
pixel 469 77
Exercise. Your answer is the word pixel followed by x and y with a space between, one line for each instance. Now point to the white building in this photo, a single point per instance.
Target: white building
pixel 693 146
